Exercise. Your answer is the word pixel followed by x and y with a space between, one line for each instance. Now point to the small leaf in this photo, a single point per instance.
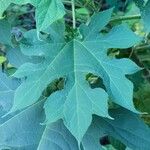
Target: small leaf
pixel 82 11
pixel 53 11
pixel 2 59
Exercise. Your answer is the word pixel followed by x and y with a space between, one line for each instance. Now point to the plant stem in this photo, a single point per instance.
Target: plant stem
pixel 69 3
pixel 124 18
pixel 73 14
pixel 144 47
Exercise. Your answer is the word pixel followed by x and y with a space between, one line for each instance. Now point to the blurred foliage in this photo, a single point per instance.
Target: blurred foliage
pixel 142 101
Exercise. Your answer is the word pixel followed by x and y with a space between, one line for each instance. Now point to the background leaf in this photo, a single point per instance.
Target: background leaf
pixel 53 11
pixel 5 32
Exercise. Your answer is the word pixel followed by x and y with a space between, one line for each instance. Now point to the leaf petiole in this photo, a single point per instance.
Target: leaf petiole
pixel 73 14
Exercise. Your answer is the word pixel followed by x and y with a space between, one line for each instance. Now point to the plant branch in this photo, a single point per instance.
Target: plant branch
pixel 69 3
pixel 66 2
pixel 124 18
pixel 73 14
pixel 143 47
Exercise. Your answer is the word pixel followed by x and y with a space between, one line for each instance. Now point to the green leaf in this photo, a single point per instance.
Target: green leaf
pixel 126 127
pixel 145 12
pixel 75 108
pixel 97 23
pixel 5 32
pixel 22 130
pixel 53 10
pixel 56 136
pixel 82 11
pixel 122 128
pixel 7 89
pixel 91 141
pixel 47 11
pixel 4 4
pixel 2 59
pixel 17 58
pixel 74 60
pixel 146 16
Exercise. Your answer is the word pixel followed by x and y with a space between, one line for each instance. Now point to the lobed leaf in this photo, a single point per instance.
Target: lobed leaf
pixel 22 130
pixel 77 101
